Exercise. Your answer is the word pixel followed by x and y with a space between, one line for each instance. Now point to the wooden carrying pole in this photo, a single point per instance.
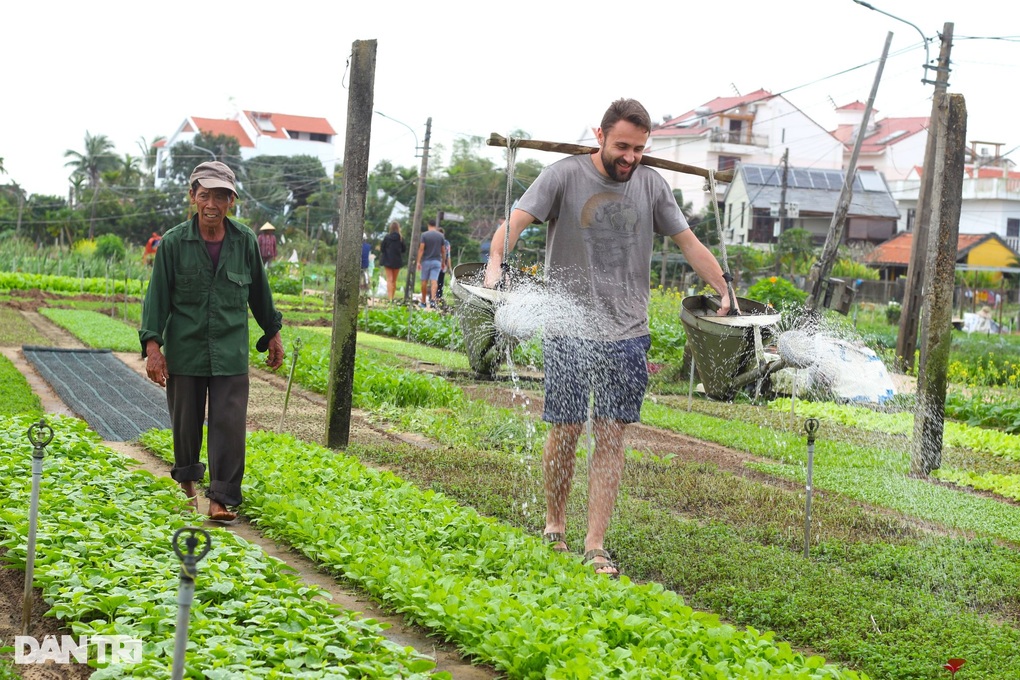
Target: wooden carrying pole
pixel 579 149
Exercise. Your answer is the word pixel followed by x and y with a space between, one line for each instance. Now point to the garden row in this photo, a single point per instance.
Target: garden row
pixel 106 568
pixel 929 596
pixel 105 565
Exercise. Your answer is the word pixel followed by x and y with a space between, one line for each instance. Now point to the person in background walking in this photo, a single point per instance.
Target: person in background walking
pixel 207 274
pixel 604 212
pixel 267 243
pixel 366 262
pixel 445 268
pixel 391 257
pixel 430 262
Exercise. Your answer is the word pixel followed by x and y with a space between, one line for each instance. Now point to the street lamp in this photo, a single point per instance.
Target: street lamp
pixel 416 145
pixel 924 40
pixel 419 201
pixel 208 151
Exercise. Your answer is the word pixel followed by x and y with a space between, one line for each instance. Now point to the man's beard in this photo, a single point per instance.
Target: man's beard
pixel 610 166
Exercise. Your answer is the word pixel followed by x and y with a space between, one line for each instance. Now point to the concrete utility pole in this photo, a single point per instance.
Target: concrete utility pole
pixel 782 208
pixel 419 203
pixel 940 270
pixel 348 256
pixel 906 342
pixel 820 270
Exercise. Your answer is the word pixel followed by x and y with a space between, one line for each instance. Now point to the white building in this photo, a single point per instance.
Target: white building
pixel 756 128
pixel 259 134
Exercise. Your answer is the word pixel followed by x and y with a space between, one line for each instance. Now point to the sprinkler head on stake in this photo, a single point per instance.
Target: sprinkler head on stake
pixel 811 426
pixel 40 434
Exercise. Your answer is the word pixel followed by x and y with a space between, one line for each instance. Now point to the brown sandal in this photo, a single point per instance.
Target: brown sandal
pixel 555 538
pixel 589 558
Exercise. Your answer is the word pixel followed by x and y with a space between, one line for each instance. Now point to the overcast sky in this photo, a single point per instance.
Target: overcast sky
pixel 134 69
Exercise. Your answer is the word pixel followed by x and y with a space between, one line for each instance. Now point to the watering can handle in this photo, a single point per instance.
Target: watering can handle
pixel 734 310
pixel 715 303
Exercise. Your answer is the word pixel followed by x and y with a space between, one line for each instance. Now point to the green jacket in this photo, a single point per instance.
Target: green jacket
pixel 200 317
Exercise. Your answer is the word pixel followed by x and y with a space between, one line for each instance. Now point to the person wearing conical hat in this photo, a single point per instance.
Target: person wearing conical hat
pixel 267 243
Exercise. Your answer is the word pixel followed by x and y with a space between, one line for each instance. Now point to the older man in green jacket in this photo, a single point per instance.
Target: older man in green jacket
pixel 207 274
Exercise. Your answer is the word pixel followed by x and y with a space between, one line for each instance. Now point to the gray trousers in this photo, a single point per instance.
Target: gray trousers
pixel 227 398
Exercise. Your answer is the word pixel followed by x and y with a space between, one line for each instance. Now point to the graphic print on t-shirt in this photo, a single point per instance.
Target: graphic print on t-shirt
pixel 609 229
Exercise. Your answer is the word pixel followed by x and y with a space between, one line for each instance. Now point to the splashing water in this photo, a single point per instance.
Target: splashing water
pixel 529 311
pixel 833 363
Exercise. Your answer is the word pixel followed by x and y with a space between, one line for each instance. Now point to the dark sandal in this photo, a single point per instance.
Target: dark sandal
pixel 554 538
pixel 589 559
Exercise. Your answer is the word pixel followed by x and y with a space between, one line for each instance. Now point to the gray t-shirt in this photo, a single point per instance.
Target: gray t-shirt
pixel 433 242
pixel 600 240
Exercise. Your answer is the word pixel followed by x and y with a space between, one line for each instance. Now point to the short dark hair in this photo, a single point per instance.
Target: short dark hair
pixel 431 223
pixel 630 110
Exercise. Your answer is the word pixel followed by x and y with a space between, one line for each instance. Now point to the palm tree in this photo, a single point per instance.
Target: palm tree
pixel 129 172
pixel 148 149
pixel 97 158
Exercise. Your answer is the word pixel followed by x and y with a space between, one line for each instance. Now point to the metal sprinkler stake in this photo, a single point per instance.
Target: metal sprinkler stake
pixel 40 434
pixel 810 426
pixel 690 386
pixel 290 381
pixel 189 570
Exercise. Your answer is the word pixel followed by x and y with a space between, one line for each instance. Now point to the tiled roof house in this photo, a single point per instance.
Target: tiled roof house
pixel 262 134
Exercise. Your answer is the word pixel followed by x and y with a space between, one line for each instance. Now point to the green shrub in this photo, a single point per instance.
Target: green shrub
pixel 777 292
pixel 284 285
pixel 850 270
pixel 892 313
pixel 110 247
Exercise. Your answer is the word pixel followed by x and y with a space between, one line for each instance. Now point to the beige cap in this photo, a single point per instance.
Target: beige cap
pixel 214 175
pixel 267 227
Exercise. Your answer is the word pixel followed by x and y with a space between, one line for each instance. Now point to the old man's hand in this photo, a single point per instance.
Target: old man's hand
pixel 275 358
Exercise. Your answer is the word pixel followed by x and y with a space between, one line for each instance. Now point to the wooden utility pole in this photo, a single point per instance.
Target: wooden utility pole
pixel 349 238
pixel 906 342
pixel 940 270
pixel 419 203
pixel 820 269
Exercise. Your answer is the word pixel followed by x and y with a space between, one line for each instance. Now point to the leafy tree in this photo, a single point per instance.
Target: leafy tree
pixel 17 204
pixel 264 195
pixel 378 208
pixel 401 183
pixel 152 210
pixel 184 156
pixel 302 175
pixel 794 251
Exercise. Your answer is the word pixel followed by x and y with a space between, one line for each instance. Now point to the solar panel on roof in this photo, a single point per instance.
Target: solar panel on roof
pixel 800 179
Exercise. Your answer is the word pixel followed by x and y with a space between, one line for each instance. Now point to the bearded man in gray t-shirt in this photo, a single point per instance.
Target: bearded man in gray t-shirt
pixel 603 211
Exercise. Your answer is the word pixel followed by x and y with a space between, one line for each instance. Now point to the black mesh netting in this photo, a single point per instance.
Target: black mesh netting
pixel 112 398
